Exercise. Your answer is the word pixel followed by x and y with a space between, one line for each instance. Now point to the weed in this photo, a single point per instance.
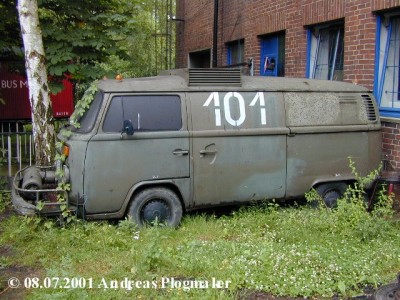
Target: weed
pixel 4 262
pixel 129 227
pixel 5 200
pixel 383 206
pixel 4 194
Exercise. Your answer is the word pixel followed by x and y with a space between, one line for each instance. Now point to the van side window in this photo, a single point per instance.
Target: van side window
pixel 147 113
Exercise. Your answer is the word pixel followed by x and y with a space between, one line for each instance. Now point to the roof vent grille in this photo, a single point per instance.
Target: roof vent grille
pixel 215 77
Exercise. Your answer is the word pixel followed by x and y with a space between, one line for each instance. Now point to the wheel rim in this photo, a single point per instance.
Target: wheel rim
pixel 155 210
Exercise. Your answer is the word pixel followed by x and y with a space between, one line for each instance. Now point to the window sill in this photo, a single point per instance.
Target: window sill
pixel 390 120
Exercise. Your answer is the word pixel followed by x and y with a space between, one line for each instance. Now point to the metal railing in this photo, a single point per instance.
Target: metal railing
pixel 17 145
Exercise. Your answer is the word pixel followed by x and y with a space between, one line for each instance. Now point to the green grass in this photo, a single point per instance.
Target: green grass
pixel 283 251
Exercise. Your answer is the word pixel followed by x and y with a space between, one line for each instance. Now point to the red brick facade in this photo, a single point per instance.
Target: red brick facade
pixel 252 19
pixel 391 143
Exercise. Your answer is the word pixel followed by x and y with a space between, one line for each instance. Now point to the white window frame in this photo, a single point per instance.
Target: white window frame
pixel 322 65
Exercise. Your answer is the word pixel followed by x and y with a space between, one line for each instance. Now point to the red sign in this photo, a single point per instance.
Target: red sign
pixel 14 98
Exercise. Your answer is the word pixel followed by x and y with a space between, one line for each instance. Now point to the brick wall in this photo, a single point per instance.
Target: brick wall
pixel 383 4
pixel 359 41
pixel 252 19
pixel 231 29
pixel 315 12
pixel 296 41
pixel 391 143
pixel 196 31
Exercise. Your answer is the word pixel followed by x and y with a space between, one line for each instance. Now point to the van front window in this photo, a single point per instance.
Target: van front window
pixel 88 119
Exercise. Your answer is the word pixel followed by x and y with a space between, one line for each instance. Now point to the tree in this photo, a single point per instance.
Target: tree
pixel 10 44
pixel 86 40
pixel 39 97
pixel 81 34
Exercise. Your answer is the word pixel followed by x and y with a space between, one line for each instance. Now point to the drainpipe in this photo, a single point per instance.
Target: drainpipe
pixel 215 35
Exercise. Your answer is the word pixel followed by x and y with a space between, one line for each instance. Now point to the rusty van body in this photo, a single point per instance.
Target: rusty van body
pixel 155 147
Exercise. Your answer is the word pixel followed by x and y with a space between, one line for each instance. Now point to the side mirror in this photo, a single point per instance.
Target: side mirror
pixel 128 127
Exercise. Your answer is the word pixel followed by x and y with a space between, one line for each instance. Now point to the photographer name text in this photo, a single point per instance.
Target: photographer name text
pixel 125 283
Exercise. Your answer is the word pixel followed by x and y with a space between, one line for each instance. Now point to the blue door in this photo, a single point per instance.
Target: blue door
pixel 269 57
pixel 272 62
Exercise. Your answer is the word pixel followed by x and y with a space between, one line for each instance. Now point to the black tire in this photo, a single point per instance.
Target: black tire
pixel 156 203
pixel 331 192
pixel 386 292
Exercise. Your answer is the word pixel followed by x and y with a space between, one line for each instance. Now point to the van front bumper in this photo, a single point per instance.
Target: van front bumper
pixel 20 205
pixel 41 199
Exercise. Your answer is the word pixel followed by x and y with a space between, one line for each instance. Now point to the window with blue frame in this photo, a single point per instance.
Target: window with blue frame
pixel 387 64
pixel 272 61
pixel 235 55
pixel 326 52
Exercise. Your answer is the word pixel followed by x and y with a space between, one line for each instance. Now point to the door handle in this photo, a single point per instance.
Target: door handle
pixel 180 152
pixel 205 152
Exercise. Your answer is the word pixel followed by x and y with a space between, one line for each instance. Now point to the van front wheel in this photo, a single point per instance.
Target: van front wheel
pixel 156 205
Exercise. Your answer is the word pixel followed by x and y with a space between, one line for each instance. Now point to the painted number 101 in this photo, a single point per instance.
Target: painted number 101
pixel 230 98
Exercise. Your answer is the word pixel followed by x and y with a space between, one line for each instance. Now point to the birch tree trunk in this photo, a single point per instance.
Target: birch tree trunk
pixel 39 94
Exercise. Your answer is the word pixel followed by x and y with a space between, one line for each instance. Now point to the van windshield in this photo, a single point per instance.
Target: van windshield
pixel 88 119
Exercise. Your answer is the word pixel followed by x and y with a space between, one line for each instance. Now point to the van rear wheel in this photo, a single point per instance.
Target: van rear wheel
pixel 331 192
pixel 156 205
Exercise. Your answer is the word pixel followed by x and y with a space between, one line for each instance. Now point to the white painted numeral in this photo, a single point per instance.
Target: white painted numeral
pixel 215 96
pixel 227 108
pixel 229 97
pixel 260 96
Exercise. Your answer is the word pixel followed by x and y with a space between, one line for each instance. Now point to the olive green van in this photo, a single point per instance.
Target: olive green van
pixel 152 148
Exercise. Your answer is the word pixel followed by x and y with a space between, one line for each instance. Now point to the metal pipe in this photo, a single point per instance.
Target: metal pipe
pixel 9 154
pixel 30 150
pixel 20 151
pixel 2 139
pixel 17 147
pixel 215 36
